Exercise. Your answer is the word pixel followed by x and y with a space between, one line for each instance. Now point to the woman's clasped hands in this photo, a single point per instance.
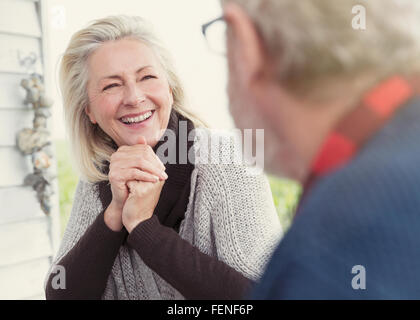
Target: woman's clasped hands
pixel 137 176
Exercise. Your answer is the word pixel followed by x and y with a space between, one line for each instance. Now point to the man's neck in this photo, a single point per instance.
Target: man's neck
pixel 305 123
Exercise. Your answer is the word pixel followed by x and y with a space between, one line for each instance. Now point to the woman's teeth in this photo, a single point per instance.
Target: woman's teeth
pixel 137 119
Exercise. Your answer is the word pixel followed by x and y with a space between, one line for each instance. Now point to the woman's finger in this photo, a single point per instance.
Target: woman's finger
pixel 136 174
pixel 148 153
pixel 159 161
pixel 127 161
pixel 140 152
pixel 153 168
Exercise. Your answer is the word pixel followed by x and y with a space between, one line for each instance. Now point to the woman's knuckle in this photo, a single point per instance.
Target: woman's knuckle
pixel 114 157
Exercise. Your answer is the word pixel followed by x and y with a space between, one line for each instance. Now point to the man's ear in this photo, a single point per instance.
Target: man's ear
pixel 90 115
pixel 244 43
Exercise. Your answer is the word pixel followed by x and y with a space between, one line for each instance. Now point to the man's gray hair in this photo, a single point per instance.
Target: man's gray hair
pixel 310 40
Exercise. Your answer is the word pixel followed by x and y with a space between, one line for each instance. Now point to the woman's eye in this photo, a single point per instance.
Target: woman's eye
pixel 110 86
pixel 149 76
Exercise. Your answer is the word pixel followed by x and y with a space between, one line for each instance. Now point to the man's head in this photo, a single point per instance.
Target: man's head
pixel 295 67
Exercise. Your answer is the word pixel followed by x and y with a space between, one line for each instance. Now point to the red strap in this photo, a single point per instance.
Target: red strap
pixel 343 149
pixel 388 96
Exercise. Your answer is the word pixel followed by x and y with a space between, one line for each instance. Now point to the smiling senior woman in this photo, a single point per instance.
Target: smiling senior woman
pixel 135 231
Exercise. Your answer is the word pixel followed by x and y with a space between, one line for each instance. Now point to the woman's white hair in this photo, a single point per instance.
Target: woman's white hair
pixel 91 146
pixel 312 40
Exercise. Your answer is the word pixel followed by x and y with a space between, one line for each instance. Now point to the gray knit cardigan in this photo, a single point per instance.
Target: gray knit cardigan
pixel 230 215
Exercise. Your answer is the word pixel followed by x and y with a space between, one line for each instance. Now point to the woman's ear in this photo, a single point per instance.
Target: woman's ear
pixel 90 115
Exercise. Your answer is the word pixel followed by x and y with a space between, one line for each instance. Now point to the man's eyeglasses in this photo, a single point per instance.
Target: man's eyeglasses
pixel 216 35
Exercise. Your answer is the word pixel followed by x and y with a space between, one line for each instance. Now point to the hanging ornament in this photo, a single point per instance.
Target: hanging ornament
pixel 35 141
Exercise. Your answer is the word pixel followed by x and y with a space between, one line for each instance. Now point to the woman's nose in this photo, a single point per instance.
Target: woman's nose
pixel 133 95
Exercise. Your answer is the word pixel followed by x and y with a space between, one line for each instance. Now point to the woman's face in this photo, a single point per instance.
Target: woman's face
pixel 129 94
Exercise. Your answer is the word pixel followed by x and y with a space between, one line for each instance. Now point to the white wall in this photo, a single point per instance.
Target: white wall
pixel 178 23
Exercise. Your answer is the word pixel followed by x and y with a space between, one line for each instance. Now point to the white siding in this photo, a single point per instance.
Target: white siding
pixel 11 121
pixel 12 95
pixel 9 9
pixel 14 167
pixel 28 237
pixel 24 241
pixel 12 47
pixel 23 281
pixel 21 208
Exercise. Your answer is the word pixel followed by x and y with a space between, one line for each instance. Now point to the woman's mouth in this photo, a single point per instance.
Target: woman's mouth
pixel 140 119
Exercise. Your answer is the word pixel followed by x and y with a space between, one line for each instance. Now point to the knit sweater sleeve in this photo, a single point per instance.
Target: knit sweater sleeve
pixel 85 240
pixel 193 273
pixel 88 264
